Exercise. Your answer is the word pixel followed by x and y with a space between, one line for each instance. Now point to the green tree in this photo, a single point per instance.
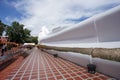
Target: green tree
pixel 2 27
pixel 34 39
pixel 17 33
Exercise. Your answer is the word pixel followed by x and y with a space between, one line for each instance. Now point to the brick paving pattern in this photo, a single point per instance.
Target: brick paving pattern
pixel 9 68
pixel 43 66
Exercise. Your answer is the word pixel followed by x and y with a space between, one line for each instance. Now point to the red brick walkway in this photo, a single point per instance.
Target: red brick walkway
pixel 42 66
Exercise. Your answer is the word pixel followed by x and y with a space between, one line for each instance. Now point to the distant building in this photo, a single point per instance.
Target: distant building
pixel 31 44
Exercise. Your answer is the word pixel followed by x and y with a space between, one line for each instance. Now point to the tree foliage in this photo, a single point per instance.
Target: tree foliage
pixel 17 33
pixel 34 39
pixel 2 28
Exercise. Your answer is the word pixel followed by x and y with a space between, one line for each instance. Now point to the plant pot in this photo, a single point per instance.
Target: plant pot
pixel 91 68
pixel 41 49
pixel 55 55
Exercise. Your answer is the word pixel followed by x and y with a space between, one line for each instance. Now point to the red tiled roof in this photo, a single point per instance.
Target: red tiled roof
pixel 3 39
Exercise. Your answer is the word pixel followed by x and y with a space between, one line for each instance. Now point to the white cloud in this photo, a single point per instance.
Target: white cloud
pixel 53 13
pixel 43 33
pixel 11 19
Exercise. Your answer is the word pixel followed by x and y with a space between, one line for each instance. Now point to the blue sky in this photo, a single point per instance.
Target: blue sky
pixel 35 14
pixel 7 10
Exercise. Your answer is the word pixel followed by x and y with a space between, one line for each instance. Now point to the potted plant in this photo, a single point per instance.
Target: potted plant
pixel 55 55
pixel 91 67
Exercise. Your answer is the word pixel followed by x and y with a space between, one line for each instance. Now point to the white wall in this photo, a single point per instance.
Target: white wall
pixel 100 28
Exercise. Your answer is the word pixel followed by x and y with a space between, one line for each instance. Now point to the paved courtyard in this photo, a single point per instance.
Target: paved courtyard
pixel 43 66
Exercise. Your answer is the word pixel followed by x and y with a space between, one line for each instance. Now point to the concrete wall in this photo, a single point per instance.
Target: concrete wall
pixel 107 67
pixel 110 68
